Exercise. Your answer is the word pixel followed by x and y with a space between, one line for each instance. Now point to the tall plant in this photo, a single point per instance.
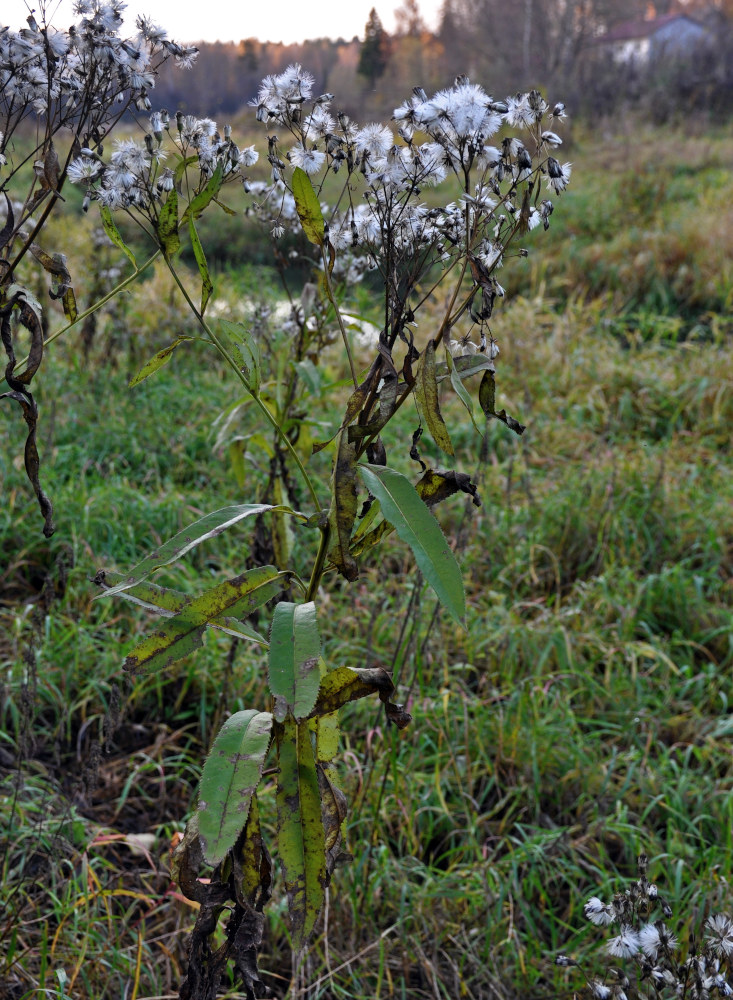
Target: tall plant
pixel 75 86
pixel 354 194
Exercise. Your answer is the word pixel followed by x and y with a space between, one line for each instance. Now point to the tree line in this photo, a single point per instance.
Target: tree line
pixel 555 45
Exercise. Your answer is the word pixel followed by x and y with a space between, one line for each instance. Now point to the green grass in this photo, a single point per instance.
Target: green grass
pixel 584 715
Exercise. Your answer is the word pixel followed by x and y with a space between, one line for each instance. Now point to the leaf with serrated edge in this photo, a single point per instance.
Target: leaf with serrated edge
pixel 230 777
pixel 413 522
pixel 157 361
pixel 207 527
pixel 308 207
pixel 300 834
pixel 426 394
pixel 220 605
pixel 295 650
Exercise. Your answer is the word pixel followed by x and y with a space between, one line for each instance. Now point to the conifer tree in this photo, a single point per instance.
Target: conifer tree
pixel 375 49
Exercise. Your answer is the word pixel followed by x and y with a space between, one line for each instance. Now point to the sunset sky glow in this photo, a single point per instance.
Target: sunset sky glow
pixel 222 20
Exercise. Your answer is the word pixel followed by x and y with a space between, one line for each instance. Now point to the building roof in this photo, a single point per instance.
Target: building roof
pixel 627 31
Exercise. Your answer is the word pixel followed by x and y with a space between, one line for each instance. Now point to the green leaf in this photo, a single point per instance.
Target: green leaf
pixel 295 650
pixel 327 736
pixel 114 234
pixel 167 602
pixel 309 375
pixel 487 399
pixel 207 286
pixel 206 527
pixel 256 867
pixel 308 207
pixel 342 513
pixel 460 389
pixel 467 365
pixel 157 361
pixel 426 394
pixel 181 634
pixel 300 834
pixel 182 166
pixel 413 522
pixel 230 777
pixel 245 352
pixel 168 237
pixel 205 196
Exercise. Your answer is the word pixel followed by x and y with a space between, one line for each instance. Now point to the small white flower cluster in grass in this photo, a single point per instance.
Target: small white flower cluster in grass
pixel 379 216
pixel 658 970
pixel 135 176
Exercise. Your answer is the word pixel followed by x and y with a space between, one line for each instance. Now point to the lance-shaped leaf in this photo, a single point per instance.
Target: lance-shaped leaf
pixel 167 603
pixel 244 350
pixel 467 365
pixel 207 286
pixel 326 728
pixel 157 361
pixel 308 207
pixel 344 684
pixel 333 813
pixel 295 650
pixel 206 527
pixel 68 301
pixel 426 394
pixel 206 195
pixel 487 399
pixel 413 522
pixel 114 235
pixel 181 634
pixel 301 839
pixel 252 863
pixel 460 389
pixel 230 777
pixel 342 514
pixel 168 237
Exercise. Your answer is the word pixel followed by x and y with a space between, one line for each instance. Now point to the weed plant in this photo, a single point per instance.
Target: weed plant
pixel 584 715
pixel 469 792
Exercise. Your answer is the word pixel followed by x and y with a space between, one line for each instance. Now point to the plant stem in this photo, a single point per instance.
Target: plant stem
pixel 97 305
pixel 240 375
pixel 332 300
pixel 317 573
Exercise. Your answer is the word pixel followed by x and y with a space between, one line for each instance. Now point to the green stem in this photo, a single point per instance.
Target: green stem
pixel 332 300
pixel 240 375
pixel 317 573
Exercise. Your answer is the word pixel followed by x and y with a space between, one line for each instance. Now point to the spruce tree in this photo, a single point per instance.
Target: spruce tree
pixel 374 53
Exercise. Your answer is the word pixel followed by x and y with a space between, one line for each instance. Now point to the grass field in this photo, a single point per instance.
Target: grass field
pixel 583 717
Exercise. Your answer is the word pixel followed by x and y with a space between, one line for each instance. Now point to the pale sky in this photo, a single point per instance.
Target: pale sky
pixel 225 20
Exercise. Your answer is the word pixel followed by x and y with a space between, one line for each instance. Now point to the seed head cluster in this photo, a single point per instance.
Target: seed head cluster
pixel 653 964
